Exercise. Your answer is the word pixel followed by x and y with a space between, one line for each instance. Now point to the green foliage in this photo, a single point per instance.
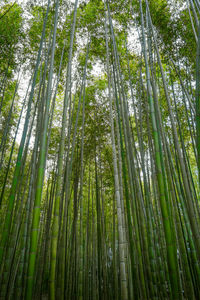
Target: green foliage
pixel 6 104
pixel 11 37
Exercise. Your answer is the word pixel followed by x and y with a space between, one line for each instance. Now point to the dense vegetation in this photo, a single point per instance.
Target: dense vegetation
pixel 100 149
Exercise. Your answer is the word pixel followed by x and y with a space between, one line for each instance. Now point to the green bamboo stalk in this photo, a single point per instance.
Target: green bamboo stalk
pixel 169 235
pixel 11 199
pixel 40 172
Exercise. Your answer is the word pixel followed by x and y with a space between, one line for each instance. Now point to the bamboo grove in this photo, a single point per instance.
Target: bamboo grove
pixel 100 149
